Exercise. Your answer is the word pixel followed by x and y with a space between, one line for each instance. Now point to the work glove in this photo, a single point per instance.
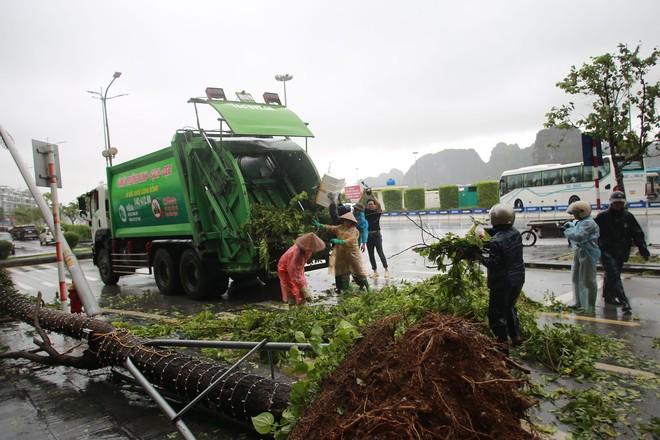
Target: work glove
pixel 317 223
pixel 331 196
pixel 337 241
pixel 306 293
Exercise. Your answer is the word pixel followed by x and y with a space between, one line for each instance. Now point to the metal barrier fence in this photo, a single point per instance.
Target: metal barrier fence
pixel 650 207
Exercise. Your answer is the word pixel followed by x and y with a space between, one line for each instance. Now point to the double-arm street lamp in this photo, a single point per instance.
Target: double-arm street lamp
pixel 284 78
pixel 109 152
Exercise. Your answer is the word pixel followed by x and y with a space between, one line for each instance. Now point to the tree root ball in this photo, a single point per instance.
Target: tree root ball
pixel 443 379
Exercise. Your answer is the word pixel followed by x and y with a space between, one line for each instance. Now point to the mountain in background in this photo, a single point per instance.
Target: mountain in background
pixel 454 166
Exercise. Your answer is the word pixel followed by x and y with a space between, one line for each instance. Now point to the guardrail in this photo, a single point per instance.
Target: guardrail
pixel 650 207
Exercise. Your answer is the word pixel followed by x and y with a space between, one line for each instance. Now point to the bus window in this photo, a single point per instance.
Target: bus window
pixel 652 184
pixel 572 174
pixel 514 182
pixel 503 189
pixel 532 179
pixel 551 177
pixel 587 174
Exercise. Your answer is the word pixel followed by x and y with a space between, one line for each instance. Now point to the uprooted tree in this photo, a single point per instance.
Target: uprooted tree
pixel 240 395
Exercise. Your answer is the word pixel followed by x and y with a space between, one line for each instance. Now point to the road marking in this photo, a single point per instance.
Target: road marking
pixel 140 315
pixel 624 370
pixel 422 272
pixel 567 315
pixel 568 296
pixel 47 284
pixel 22 286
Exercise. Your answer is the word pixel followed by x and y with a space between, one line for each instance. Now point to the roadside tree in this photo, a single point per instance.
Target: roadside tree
pixel 70 211
pixel 623 97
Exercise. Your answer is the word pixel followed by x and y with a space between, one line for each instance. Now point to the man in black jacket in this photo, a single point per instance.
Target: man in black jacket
pixel 506 274
pixel 618 230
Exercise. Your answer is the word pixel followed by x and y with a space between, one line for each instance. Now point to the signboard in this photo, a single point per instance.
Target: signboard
pixel 40 155
pixel 352 192
pixel 587 151
pixel 148 196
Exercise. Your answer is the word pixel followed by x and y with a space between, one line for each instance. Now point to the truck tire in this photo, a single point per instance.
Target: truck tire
pixel 104 264
pixel 166 273
pixel 199 280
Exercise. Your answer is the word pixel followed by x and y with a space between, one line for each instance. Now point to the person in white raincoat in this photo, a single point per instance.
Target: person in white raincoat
pixel 583 233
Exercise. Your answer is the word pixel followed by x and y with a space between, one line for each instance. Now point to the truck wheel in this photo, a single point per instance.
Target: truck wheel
pixel 165 273
pixel 200 280
pixel 104 264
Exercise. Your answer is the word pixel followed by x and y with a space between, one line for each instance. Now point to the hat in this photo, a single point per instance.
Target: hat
pixel 72 287
pixel 618 196
pixel 358 207
pixel 349 216
pixel 310 243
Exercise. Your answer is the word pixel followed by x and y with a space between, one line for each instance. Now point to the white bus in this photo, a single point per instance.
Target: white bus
pixel 561 185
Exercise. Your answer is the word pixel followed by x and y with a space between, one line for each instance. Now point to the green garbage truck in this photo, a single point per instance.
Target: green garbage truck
pixel 180 212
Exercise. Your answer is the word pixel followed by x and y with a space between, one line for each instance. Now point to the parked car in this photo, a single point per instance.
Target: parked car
pixel 46 237
pixel 6 236
pixel 26 232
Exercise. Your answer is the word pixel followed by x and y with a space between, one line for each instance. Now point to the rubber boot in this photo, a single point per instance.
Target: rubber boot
pixel 362 282
pixel 338 284
pixel 345 284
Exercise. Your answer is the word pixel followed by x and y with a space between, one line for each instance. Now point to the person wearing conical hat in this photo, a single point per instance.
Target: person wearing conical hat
pixel 348 260
pixel 291 268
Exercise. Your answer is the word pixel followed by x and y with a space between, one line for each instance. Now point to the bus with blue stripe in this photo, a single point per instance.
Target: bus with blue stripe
pixel 561 185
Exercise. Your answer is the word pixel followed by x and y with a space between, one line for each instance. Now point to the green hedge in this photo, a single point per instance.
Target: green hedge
pixel 392 199
pixel 414 199
pixel 83 231
pixel 72 238
pixel 448 196
pixel 488 193
pixel 5 249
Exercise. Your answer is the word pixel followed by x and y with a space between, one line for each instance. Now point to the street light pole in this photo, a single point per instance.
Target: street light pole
pixel 108 152
pixel 416 180
pixel 284 78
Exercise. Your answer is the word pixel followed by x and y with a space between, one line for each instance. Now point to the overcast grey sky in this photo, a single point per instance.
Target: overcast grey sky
pixel 375 80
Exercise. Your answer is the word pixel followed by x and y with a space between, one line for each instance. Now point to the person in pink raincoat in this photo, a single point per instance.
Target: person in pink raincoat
pixel 291 268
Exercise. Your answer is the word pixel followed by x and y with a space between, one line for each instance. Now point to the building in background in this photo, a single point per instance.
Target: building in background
pixel 12 198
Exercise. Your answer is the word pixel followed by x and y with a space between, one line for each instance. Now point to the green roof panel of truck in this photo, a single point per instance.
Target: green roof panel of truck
pixel 255 119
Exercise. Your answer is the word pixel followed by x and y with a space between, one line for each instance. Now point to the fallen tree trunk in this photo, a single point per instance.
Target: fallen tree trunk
pixel 240 395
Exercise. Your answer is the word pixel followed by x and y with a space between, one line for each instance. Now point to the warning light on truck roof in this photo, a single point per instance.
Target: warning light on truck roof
pixel 272 98
pixel 215 93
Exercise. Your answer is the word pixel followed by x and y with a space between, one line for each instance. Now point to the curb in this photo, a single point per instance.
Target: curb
pixel 42 259
pixel 627 268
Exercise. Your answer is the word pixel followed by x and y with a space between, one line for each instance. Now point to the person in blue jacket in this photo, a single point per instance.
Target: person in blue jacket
pixel 583 233
pixel 363 225
pixel 503 259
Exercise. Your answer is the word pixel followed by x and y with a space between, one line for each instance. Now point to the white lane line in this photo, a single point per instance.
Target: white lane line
pixel 567 297
pixel 624 370
pixel 567 315
pixel 23 286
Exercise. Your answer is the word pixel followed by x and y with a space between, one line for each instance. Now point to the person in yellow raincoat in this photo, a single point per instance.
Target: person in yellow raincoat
pixel 291 268
pixel 348 259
